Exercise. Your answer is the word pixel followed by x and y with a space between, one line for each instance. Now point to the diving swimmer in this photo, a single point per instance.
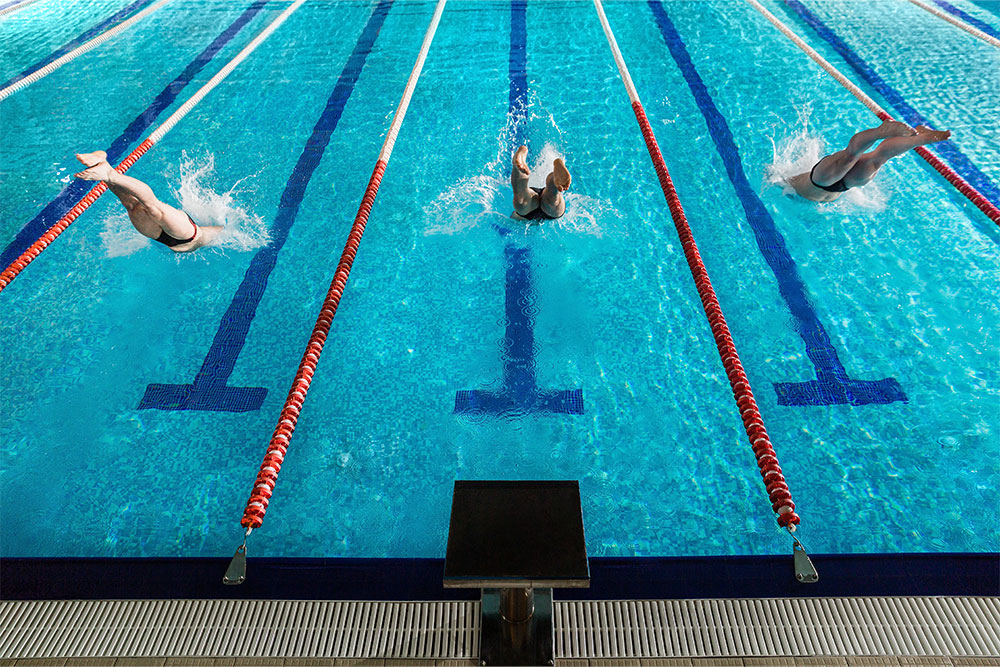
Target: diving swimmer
pixel 531 203
pixel 853 167
pixel 150 217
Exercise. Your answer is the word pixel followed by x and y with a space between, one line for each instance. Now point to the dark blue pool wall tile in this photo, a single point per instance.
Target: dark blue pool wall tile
pixel 421 578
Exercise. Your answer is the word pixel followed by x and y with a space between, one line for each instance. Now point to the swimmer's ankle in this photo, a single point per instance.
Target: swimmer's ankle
pixel 102 171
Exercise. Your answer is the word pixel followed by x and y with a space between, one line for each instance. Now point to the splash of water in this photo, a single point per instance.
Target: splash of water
pixel 472 202
pixel 485 198
pixel 243 230
pixel 794 154
pixel 584 215
pixel 798 151
pixel 119 237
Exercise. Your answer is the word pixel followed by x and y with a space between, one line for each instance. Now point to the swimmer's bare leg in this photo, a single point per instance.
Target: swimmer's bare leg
pixel 148 214
pixel 555 184
pixel 525 199
pixel 869 164
pixel 131 191
pixel 833 167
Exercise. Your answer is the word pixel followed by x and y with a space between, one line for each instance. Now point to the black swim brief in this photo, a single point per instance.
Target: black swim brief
pixel 170 241
pixel 538 213
pixel 835 187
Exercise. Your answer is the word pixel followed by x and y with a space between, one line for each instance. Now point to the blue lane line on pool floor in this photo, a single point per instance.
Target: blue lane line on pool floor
pixel 519 392
pixel 968 18
pixel 946 149
pixel 110 22
pixel 209 391
pixel 832 385
pixel 73 192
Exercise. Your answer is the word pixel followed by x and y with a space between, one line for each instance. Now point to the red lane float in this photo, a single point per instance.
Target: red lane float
pixel 753 423
pixel 59 227
pixel 767 460
pixel 978 199
pixel 253 515
pixel 267 476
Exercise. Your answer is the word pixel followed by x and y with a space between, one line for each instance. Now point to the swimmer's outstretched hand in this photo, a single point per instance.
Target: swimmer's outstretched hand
pixel 97 166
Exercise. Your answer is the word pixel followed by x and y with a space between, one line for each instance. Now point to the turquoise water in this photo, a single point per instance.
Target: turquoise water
pixel 25 44
pixel 901 274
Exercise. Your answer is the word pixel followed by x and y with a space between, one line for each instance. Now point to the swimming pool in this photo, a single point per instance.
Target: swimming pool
pixel 106 453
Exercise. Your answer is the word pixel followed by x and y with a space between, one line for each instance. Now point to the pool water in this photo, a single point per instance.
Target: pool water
pixel 899 277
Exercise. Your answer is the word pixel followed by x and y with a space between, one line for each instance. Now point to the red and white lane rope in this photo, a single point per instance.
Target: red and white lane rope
pixel 60 226
pixel 14 8
pixel 963 186
pixel 767 460
pixel 253 515
pixel 79 51
pixel 955 21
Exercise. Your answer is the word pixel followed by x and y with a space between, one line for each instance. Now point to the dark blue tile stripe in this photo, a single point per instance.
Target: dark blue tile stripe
pixel 519 392
pixel 5 5
pixel 73 192
pixel 110 22
pixel 946 149
pixel 518 72
pixel 976 574
pixel 832 384
pixel 968 18
pixel 208 391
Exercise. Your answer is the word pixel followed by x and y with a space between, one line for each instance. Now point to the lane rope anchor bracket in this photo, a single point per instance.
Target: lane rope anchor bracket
pixel 805 571
pixel 236 573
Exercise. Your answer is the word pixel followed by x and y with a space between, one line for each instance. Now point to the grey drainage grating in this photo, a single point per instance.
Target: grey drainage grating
pixel 232 628
pixel 778 626
pixel 602 629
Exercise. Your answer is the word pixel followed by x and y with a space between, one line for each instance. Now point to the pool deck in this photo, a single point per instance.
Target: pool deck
pixel 825 661
pixel 646 633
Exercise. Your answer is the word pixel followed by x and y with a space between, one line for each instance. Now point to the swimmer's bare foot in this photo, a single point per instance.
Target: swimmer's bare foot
pixel 894 128
pixel 519 156
pixel 560 175
pixel 97 166
pixel 933 135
